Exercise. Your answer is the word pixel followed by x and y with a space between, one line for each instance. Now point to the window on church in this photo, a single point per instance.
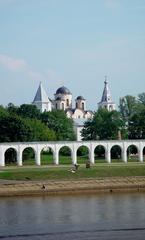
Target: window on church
pixel 67 102
pixel 83 105
pixel 63 106
pixel 76 105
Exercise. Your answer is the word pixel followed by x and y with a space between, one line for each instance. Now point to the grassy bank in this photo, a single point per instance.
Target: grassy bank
pixel 63 172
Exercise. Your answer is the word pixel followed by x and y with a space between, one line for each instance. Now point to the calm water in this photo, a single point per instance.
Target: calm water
pixel 104 216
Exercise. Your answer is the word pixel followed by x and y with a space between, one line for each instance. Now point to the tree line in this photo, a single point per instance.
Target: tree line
pixel 126 123
pixel 27 123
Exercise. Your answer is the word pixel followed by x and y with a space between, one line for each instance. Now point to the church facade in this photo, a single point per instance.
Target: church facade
pixel 63 101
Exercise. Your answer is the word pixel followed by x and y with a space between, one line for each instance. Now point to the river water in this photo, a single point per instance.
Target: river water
pixel 87 217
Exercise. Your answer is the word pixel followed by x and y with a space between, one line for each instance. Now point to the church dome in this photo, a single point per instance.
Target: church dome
pixel 63 90
pixel 80 98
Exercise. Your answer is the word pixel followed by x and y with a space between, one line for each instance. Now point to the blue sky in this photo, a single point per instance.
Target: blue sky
pixel 74 43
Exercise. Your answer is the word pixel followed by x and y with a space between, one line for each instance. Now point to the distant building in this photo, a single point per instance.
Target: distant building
pixel 63 101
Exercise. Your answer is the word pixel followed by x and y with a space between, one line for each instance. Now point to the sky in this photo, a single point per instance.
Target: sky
pixel 71 43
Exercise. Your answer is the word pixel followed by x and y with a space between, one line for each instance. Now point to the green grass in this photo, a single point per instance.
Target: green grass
pixel 62 172
pixel 47 159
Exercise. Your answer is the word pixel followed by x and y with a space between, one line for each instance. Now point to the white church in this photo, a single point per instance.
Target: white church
pixel 63 101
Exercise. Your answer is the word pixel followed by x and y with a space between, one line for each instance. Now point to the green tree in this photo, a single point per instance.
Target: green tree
pixel 141 98
pixel 127 106
pixel 14 129
pixel 3 111
pixel 28 111
pixel 39 131
pixel 104 125
pixel 133 112
pixel 12 109
pixel 136 126
pixel 59 123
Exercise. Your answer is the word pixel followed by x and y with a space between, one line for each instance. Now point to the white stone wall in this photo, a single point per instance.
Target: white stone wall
pixel 56 146
pixel 78 113
pixel 77 130
pixel 88 115
pixel 67 98
pixel 43 106
pixel 60 105
pixel 107 105
pixel 80 103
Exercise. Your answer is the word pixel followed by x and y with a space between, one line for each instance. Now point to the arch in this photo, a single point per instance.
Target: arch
pixel 65 155
pixel 116 153
pixel 99 152
pixel 132 153
pixel 82 154
pixel 47 156
pixel 135 149
pixel 10 156
pixel 28 156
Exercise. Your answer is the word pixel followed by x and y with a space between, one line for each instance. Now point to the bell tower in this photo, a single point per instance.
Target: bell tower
pixel 106 100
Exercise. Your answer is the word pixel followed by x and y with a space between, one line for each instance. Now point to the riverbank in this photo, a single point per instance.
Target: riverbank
pixel 66 172
pixel 91 185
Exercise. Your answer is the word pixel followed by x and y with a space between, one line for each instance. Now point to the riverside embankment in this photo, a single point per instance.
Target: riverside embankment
pixel 91 185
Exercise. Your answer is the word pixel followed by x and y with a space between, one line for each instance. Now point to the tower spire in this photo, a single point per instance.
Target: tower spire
pixel 106 100
pixel 106 96
pixel 105 80
pixel 41 99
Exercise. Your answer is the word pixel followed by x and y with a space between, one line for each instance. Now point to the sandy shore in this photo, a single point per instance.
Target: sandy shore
pixel 108 184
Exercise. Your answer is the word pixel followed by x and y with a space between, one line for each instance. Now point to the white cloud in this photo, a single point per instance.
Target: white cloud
pixel 12 64
pixel 19 65
pixel 16 65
